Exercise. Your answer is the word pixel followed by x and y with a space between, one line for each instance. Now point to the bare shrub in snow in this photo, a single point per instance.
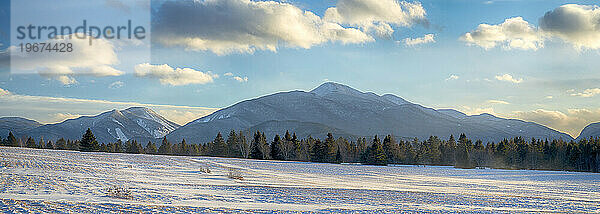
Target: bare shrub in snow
pixel 205 169
pixel 235 174
pixel 119 192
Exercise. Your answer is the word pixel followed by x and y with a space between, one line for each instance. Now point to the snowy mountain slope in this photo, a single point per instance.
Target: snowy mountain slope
pixel 355 113
pixel 592 130
pixel 16 125
pixel 137 123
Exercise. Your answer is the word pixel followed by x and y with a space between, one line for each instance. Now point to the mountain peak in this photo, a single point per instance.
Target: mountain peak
pixel 332 87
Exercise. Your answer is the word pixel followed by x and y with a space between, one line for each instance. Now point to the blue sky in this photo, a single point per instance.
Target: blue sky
pixel 553 82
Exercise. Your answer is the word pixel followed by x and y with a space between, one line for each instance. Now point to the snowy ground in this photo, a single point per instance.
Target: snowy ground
pixel 34 180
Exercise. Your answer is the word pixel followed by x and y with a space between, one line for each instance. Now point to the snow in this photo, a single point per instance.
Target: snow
pixel 45 181
pixel 120 135
pixel 116 121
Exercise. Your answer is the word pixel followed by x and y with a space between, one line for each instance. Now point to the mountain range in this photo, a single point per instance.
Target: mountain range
pixel 331 107
pixel 345 111
pixel 139 123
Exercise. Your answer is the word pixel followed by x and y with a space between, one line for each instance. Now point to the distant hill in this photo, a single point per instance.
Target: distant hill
pixel 137 123
pixel 345 111
pixel 17 125
pixel 592 130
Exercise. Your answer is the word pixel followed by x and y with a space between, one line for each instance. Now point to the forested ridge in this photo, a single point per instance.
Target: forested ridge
pixel 514 153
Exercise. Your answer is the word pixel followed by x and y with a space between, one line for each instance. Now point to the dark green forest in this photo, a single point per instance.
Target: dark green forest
pixel 514 153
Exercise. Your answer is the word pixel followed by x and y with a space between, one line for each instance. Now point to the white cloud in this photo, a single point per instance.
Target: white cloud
pixel 115 85
pixel 549 97
pixel 509 78
pixel 428 38
pixel 452 77
pixel 590 92
pixel 66 80
pixel 578 25
pixel 376 15
pixel 243 26
pixel 571 122
pixel 174 76
pixel 513 33
pixel 497 102
pixel 229 74
pixel 57 109
pixel 240 79
pixel 96 59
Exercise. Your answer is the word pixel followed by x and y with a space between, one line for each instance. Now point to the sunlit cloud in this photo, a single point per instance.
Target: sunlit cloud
pixel 497 102
pixel 174 76
pixel 243 26
pixel 571 122
pixel 508 78
pixel 590 92
pixel 428 38
pixel 452 77
pixel 578 25
pixel 97 59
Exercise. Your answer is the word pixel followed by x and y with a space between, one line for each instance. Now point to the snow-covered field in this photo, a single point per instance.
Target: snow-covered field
pixel 33 180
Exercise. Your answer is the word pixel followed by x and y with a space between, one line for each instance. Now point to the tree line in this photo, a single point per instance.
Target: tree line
pixel 514 153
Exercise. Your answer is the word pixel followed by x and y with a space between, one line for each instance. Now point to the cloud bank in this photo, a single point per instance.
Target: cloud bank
pixel 577 25
pixel 97 59
pixel 571 122
pixel 590 92
pixel 244 26
pixel 513 33
pixel 376 16
pixel 174 76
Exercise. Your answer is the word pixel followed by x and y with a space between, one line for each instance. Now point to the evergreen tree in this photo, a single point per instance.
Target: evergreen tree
pixel 30 143
pixel 151 148
pixel 219 147
pixel 61 144
pixel 165 147
pixel 232 145
pixel 183 148
pixel 41 144
pixel 329 149
pixel 375 154
pixel 257 149
pixel 88 142
pixel 104 148
pixel 119 147
pixel 276 148
pixel 317 153
pixel 133 147
pixel 49 145
pixel 463 157
pixel 12 140
pixel 338 156
pixel 392 149
pixel 448 151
